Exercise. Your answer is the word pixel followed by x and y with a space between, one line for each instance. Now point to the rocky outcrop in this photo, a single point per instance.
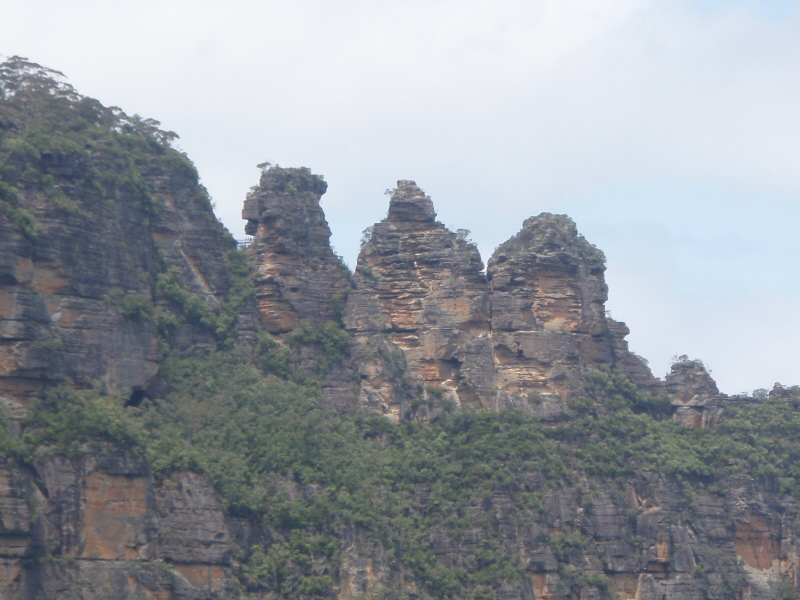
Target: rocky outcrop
pixel 419 288
pixel 76 299
pixel 641 538
pixel 549 322
pixel 98 526
pixel 521 336
pixel 694 394
pixel 298 278
pixel 297 275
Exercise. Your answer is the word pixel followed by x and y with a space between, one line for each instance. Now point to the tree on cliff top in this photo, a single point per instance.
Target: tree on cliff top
pixel 31 94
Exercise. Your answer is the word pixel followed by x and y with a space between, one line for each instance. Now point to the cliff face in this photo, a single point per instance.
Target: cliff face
pixel 635 539
pixel 420 289
pixel 106 530
pixel 60 304
pixel 297 275
pixel 91 217
pixel 109 253
pixel 520 336
pixel 178 427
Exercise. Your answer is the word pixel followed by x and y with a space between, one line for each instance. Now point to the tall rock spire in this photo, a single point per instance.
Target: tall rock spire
pixel 298 277
pixel 410 205
pixel 549 323
pixel 430 325
pixel 420 311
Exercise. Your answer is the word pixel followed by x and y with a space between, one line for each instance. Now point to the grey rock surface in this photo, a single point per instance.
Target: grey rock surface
pixel 298 277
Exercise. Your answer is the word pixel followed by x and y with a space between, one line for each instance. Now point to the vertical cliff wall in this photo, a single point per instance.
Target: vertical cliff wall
pixel 96 206
pixel 297 275
pixel 419 288
pixel 102 528
pixel 424 315
pixel 110 255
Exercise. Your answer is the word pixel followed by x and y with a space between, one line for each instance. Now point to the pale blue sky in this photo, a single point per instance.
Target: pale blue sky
pixel 669 131
pixel 767 9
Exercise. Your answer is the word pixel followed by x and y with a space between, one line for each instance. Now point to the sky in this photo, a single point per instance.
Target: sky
pixel 669 130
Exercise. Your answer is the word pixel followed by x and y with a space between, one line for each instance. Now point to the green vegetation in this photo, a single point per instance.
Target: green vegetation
pixel 253 420
pixel 275 452
pixel 62 151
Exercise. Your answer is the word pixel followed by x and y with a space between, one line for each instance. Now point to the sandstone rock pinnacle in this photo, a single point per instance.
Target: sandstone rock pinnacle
pixel 298 277
pixel 419 310
pixel 429 323
pixel 549 322
pixel 695 397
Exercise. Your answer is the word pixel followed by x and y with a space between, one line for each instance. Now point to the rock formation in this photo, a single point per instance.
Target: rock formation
pixel 297 275
pixel 112 265
pixel 419 288
pixel 521 336
pixel 638 532
pixel 549 323
pixel 124 536
pixel 695 396
pixel 76 299
pixel 298 278
pixel 109 253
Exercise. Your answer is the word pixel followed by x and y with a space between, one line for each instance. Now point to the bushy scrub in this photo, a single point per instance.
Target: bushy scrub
pixel 276 453
pixel 72 152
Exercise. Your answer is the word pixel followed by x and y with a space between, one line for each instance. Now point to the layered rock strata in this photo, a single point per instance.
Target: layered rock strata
pixel 297 275
pixel 99 526
pixel 419 288
pixel 298 278
pixel 549 323
pixel 637 538
pixel 425 316
pixel 696 400
pixel 75 299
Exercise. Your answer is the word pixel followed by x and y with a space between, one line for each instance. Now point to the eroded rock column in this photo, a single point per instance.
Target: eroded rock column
pixel 420 303
pixel 548 296
pixel 298 277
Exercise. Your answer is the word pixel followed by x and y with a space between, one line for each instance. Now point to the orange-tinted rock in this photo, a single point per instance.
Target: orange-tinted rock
pixel 697 400
pixel 521 340
pixel 11 579
pixel 419 287
pixel 118 518
pixel 105 520
pixel 368 570
pixel 548 296
pixel 204 577
pixel 192 528
pixel 690 383
pixel 297 275
pixel 757 541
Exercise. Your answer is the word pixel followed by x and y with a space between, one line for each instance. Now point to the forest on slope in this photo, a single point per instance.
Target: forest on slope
pixel 141 354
